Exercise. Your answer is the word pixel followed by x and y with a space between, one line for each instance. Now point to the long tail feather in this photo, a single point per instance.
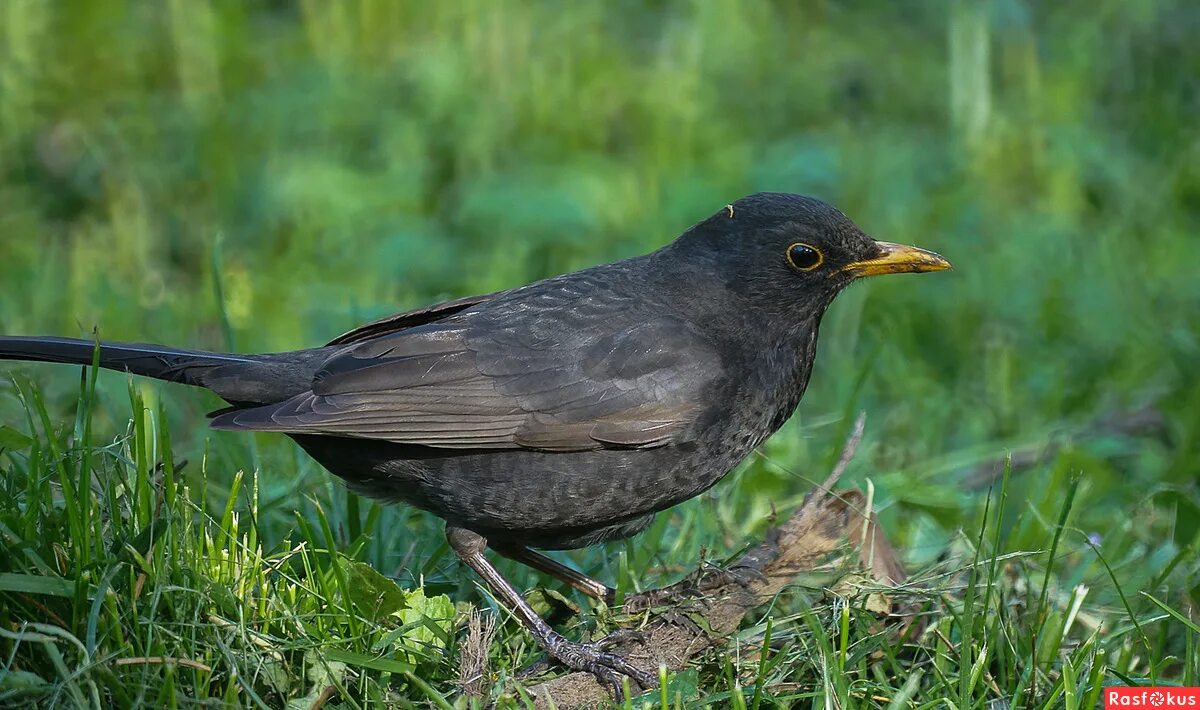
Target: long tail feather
pixel 173 364
pixel 241 379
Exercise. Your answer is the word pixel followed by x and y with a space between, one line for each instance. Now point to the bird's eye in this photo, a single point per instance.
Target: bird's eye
pixel 804 257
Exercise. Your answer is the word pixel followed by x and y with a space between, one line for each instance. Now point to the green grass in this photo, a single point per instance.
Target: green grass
pixel 263 176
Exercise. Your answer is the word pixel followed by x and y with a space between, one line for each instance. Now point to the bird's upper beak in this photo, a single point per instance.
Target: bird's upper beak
pixel 897 259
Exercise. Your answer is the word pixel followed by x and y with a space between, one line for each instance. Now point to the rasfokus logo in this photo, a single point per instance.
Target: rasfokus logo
pixel 1160 697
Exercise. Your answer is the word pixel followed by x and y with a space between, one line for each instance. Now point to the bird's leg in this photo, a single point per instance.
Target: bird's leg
pixel 576 579
pixel 588 585
pixel 470 546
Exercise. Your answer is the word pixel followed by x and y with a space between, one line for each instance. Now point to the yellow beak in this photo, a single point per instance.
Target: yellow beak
pixel 897 259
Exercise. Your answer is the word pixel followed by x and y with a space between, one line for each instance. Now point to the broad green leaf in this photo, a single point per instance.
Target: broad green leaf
pixel 372 594
pixel 427 620
pixel 550 604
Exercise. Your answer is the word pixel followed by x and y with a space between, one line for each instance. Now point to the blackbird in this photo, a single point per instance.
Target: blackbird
pixel 563 413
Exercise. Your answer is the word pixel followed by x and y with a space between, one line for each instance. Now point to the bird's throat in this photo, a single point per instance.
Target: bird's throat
pixel 793 368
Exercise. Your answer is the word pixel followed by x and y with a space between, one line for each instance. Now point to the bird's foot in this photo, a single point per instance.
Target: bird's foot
pixel 619 638
pixel 607 667
pixel 652 599
pixel 613 640
pixel 595 658
pixel 712 577
pixel 696 586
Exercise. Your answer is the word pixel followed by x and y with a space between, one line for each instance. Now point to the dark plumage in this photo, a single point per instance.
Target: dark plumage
pixel 562 413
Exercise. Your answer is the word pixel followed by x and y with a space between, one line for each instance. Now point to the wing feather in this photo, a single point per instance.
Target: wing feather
pixel 477 381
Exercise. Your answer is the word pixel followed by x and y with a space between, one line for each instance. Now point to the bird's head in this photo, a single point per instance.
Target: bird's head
pixel 789 255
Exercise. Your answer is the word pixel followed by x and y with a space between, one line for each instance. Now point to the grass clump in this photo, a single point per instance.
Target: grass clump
pixel 122 587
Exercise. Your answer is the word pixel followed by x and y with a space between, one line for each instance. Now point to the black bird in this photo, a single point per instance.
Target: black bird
pixel 563 413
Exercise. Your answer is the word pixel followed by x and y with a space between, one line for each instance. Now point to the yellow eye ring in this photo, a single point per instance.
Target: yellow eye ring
pixel 804 257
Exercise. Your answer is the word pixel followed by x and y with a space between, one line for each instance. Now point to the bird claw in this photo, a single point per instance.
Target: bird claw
pixel 607 667
pixel 620 637
pixel 741 576
pixel 595 659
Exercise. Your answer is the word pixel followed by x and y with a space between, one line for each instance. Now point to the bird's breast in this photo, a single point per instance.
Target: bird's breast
pixel 766 392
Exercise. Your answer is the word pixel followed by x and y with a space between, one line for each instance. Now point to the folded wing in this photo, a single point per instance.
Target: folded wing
pixel 477 383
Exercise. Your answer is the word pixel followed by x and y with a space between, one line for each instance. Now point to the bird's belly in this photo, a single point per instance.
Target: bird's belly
pixel 542 499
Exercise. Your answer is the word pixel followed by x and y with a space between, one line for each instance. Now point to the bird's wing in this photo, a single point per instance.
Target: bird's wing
pixel 504 383
pixel 408 319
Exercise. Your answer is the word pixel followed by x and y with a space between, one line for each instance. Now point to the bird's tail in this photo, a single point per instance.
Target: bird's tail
pixel 242 379
pixel 157 361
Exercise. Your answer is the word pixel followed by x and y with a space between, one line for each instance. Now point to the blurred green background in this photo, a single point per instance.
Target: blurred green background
pixel 262 176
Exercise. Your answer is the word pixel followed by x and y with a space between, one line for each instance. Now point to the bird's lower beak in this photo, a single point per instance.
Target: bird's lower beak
pixel 897 259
